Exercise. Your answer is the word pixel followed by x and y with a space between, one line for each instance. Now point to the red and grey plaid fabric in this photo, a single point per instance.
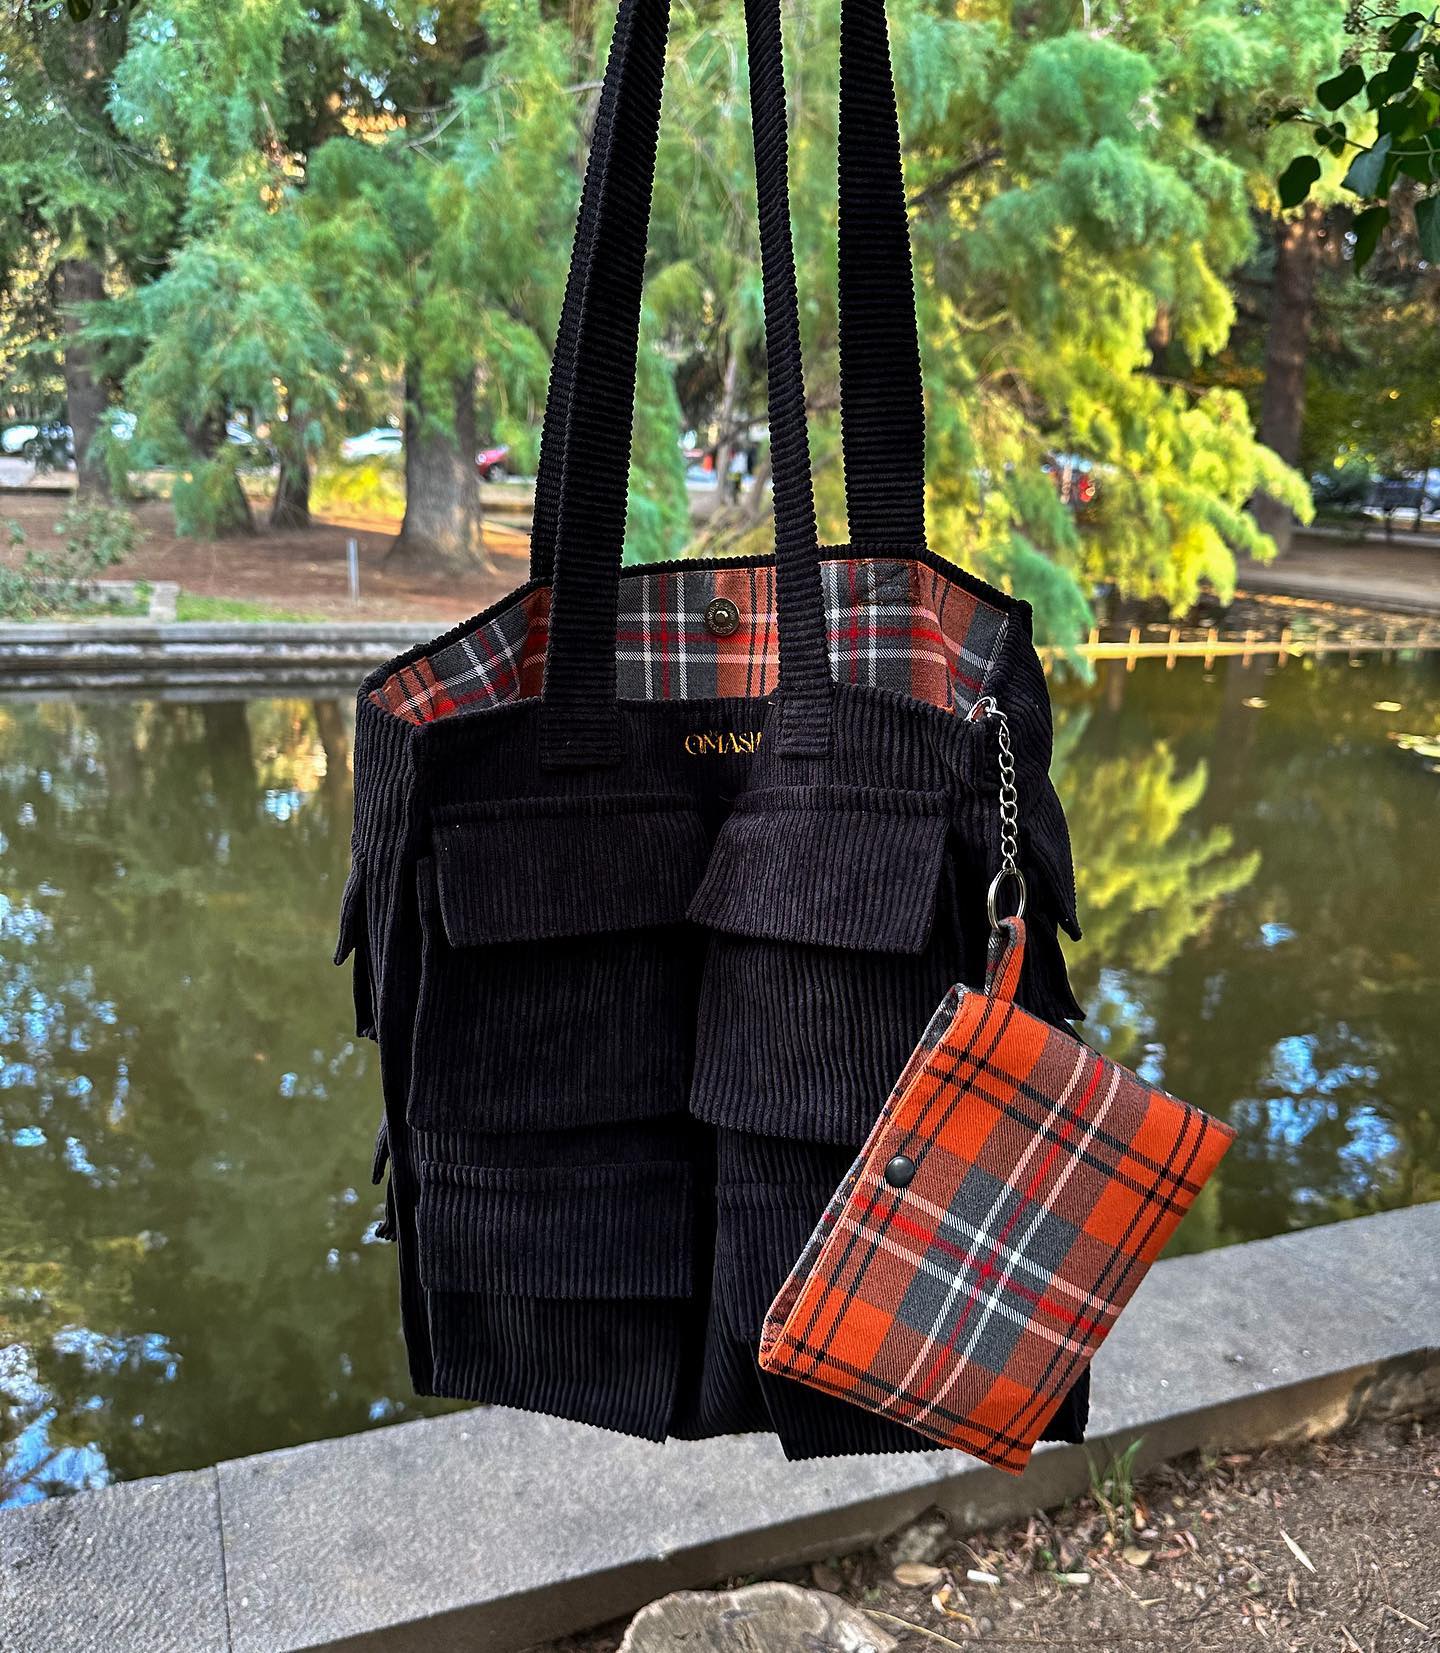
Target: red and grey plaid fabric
pixel 1046 1180
pixel 894 624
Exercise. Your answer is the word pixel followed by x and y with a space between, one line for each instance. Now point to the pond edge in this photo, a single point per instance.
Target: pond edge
pixel 498 1529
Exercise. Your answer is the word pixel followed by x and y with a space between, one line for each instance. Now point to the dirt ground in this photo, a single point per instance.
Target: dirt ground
pixel 1373 576
pixel 1332 1547
pixel 301 573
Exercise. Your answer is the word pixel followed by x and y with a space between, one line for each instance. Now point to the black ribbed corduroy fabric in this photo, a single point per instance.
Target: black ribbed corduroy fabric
pixel 637 1006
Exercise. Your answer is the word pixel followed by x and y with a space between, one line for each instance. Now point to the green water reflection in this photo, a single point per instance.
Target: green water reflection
pixel 186 1272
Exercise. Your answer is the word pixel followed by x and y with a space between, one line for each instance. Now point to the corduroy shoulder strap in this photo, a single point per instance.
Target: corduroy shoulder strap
pixel 590 409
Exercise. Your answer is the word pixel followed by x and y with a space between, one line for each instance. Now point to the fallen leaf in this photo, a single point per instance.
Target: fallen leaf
pixel 1297 1552
pixel 917 1575
pixel 1136 1556
pixel 944 1602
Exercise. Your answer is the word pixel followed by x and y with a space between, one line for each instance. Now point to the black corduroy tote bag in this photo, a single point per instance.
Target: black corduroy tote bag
pixel 658 873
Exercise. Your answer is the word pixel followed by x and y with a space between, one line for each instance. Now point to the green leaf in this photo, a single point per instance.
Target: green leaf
pixel 1297 180
pixel 1341 88
pixel 1363 178
pixel 1424 165
pixel 1402 34
pixel 80 9
pixel 1367 228
pixel 1427 222
pixel 1399 72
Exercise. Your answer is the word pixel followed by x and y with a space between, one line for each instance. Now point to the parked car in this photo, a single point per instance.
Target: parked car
pixel 14 437
pixel 1075 479
pixel 491 463
pixel 49 447
pixel 1342 488
pixel 380 442
pixel 1413 492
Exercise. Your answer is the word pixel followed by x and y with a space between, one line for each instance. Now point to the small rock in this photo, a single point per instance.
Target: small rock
pixel 768 1616
pixel 917 1575
pixel 825 1577
pixel 922 1540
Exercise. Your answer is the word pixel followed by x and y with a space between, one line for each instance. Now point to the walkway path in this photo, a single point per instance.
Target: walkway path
pixel 1404 579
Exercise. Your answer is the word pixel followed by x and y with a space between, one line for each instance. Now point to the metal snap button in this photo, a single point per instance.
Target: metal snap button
pixel 722 618
pixel 899 1171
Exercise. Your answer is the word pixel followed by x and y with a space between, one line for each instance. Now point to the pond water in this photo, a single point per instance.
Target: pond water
pixel 187 1266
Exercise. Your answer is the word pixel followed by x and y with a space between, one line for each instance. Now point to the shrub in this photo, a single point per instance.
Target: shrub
pixel 95 538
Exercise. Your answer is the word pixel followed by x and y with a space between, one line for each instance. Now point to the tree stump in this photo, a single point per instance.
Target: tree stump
pixel 762 1618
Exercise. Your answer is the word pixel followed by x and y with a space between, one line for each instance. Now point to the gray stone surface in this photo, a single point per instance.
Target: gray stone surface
pixel 69 656
pixel 133 1569
pixel 496 1529
pixel 1258 1317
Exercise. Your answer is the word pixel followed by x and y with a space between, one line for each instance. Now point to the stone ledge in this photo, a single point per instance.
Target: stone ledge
pixel 69 657
pixel 496 1529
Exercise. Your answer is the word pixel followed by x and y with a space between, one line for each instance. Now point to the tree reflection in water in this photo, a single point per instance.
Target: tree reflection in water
pixel 185 1114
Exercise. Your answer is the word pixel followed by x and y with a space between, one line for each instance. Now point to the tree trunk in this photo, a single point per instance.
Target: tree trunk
pixel 725 447
pixel 1287 350
pixel 290 507
pixel 83 282
pixel 442 489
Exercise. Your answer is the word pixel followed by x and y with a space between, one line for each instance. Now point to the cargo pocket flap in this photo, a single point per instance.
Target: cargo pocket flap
pixel 612 1231
pixel 1048 841
pixel 830 866
pixel 354 939
pixel 352 911
pixel 541 869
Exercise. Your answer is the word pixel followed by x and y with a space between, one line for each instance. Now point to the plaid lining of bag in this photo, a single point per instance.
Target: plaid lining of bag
pixel 1047 1180
pixel 893 625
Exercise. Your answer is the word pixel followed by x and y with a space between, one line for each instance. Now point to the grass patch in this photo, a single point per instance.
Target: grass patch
pixel 190 605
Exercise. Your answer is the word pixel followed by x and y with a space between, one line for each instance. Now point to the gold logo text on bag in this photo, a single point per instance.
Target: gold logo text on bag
pixel 723 743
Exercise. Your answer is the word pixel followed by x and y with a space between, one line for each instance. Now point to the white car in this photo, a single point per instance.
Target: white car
pixel 122 428
pixel 15 438
pixel 382 442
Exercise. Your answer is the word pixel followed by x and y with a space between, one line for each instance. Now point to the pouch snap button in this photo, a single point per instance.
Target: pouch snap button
pixel 722 618
pixel 899 1171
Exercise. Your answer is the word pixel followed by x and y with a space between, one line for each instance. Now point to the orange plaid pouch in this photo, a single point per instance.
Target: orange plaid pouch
pixel 1009 1200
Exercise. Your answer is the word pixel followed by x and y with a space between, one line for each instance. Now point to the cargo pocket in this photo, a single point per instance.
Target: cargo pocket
pixel 560 1290
pixel 834 934
pixel 557 974
pixel 768 1200
pixel 354 939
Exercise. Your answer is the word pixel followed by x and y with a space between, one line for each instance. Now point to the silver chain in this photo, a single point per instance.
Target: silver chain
pixel 1009 817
